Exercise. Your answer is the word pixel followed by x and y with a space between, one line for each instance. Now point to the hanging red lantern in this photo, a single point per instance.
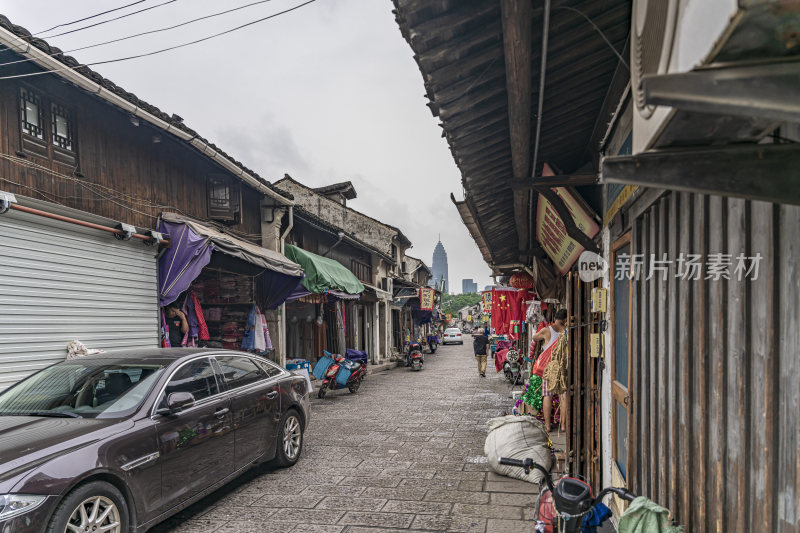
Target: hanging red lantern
pixel 521 280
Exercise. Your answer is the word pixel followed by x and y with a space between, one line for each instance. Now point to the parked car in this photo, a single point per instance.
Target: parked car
pixel 452 335
pixel 118 442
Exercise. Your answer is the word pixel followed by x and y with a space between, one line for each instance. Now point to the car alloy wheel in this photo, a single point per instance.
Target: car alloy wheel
pixel 95 514
pixel 292 437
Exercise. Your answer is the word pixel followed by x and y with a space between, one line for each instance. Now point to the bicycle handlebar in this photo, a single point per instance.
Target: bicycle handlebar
pixel 528 465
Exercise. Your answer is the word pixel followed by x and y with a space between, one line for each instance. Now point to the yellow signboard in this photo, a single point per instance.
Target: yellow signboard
pixel 449 317
pixel 552 235
pixel 487 301
pixel 596 344
pixel 599 300
pixel 426 299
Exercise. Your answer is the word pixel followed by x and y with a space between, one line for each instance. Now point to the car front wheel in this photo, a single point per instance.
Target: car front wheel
pixel 94 506
pixel 290 439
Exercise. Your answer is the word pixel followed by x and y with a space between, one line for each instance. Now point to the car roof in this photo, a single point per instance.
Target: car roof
pixel 160 355
pixel 453 329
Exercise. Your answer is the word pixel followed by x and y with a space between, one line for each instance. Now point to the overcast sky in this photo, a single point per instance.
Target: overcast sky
pixel 327 93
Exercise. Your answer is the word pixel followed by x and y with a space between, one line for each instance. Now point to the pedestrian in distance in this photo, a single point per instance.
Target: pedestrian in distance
pixel 479 346
pixel 178 325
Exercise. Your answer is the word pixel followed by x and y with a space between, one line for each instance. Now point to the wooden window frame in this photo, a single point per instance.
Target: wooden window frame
pixel 620 393
pixel 233 215
pixel 47 146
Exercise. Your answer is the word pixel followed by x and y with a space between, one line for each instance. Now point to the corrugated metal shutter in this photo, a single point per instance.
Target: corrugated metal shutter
pixel 60 282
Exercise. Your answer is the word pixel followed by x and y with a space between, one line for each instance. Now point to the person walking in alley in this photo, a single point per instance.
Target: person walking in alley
pixel 479 345
pixel 549 336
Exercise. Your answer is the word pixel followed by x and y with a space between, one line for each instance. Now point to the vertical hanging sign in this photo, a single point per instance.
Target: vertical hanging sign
pixel 426 299
pixel 487 302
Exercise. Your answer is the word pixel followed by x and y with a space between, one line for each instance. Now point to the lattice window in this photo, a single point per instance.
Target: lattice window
pixel 31 115
pixel 62 128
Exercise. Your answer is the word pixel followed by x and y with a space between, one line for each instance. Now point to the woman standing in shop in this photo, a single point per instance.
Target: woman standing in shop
pixel 177 324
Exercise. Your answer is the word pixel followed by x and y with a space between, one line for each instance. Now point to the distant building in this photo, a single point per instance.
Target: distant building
pixel 468 286
pixel 439 267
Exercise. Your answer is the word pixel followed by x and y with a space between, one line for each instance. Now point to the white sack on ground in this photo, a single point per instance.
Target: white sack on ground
pixel 517 437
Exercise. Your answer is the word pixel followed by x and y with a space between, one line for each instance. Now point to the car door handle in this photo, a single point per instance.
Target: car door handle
pixel 272 395
pixel 219 413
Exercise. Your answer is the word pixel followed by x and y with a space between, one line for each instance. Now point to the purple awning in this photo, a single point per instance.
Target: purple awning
pixel 191 247
pixel 182 262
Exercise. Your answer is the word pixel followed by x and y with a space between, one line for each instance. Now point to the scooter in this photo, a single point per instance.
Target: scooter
pixel 433 343
pixel 512 368
pixel 415 357
pixel 342 373
pixel 563 507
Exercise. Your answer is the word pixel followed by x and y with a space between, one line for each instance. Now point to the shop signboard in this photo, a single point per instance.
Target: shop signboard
pixel 426 299
pixel 449 316
pixel 552 234
pixel 487 301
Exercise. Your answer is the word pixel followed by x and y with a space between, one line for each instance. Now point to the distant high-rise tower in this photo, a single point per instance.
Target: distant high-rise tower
pixel 468 286
pixel 439 267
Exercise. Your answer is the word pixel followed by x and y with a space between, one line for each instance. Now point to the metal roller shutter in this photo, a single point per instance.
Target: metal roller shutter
pixel 60 282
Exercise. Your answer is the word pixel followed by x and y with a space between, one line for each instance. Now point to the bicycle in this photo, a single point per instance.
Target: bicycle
pixel 563 506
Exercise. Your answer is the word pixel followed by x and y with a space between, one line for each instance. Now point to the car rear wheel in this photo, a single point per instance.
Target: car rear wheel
pixel 95 506
pixel 290 439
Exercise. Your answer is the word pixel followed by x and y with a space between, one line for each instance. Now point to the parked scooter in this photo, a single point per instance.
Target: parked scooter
pixel 415 358
pixel 433 343
pixel 342 373
pixel 512 368
pixel 563 506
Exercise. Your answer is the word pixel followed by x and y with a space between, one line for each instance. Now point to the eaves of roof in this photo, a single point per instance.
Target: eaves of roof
pixel 21 41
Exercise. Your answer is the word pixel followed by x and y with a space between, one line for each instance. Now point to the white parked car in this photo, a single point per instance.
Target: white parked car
pixel 452 335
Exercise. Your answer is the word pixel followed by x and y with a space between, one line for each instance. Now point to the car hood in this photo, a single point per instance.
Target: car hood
pixel 29 441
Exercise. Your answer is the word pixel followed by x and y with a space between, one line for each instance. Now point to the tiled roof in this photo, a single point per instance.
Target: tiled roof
pixel 75 66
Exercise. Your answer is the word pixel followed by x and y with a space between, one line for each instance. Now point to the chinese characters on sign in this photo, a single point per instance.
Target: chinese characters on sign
pixel 426 299
pixel 551 232
pixel 717 266
pixel 487 301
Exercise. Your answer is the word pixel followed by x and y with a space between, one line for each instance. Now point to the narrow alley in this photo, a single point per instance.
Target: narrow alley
pixel 404 453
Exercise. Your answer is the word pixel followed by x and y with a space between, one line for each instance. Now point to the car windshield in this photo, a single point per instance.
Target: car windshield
pixel 93 388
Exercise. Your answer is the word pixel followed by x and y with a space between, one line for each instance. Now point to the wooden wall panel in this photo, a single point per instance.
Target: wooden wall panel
pixel 717 364
pixel 124 175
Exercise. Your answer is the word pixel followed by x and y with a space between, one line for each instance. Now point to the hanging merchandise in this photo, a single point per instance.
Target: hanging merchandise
pixel 556 371
pixel 534 313
pixel 508 311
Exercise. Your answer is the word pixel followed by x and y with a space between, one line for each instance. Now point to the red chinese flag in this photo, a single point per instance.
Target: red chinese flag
pixel 502 305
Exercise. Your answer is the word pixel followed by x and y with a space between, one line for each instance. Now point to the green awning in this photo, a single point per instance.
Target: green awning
pixel 323 274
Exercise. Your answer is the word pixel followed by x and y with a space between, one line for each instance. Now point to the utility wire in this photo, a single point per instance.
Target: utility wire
pixel 89 17
pixel 598 30
pixel 186 23
pixel 147 54
pixel 109 20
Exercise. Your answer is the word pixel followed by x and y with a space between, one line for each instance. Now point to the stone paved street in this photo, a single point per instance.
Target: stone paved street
pixel 404 453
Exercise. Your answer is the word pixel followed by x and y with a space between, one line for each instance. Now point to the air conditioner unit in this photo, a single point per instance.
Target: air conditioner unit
pixel 676 36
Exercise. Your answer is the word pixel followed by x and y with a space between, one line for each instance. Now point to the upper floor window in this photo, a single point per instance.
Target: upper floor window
pixel 224 199
pixel 31 111
pixel 47 128
pixel 62 127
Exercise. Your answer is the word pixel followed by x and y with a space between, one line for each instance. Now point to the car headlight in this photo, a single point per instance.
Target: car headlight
pixel 12 505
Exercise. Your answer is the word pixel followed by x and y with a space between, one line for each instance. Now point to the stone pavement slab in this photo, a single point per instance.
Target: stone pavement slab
pixel 403 454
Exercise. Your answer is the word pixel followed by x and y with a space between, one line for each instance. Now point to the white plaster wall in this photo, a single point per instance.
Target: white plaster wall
pixel 366 229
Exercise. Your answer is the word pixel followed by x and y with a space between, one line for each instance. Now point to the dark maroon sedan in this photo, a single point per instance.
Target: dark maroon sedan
pixel 118 442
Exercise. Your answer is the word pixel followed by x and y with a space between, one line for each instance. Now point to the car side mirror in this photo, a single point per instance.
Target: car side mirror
pixel 177 402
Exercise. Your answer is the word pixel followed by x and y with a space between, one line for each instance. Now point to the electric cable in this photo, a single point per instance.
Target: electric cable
pixel 155 52
pixel 598 30
pixel 186 23
pixel 109 20
pixel 89 17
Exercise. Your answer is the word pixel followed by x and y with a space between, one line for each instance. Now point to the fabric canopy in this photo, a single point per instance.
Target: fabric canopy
pixel 323 274
pixel 191 246
pixel 247 251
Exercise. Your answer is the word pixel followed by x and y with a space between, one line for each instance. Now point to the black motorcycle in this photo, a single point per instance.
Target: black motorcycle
pixel 433 343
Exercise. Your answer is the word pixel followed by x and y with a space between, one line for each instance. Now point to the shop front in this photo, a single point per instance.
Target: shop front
pixel 323 312
pixel 223 285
